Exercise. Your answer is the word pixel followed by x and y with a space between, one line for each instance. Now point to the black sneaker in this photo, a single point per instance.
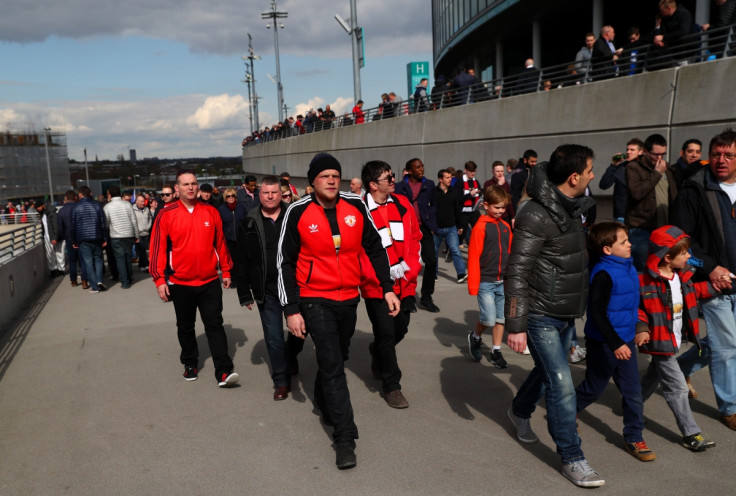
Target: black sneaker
pixel 101 286
pixel 409 305
pixel 228 380
pixel 345 456
pixel 696 442
pixel 190 373
pixel 497 360
pixel 428 305
pixel 462 278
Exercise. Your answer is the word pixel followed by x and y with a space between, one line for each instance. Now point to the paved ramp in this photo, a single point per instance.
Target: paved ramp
pixel 92 402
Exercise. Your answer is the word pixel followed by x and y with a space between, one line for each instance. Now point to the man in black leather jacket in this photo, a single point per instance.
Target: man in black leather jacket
pixel 546 286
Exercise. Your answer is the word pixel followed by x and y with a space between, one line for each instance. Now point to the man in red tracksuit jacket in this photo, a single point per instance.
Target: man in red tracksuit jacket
pixel 321 239
pixel 187 246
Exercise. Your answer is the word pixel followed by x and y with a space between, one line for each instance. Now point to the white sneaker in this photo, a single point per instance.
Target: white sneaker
pixel 526 351
pixel 582 475
pixel 577 354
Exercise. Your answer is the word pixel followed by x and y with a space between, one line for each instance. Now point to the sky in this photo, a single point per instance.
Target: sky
pixel 163 77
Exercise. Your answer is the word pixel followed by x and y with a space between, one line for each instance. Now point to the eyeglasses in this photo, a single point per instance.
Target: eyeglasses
pixel 725 156
pixel 660 155
pixel 390 178
pixel 229 196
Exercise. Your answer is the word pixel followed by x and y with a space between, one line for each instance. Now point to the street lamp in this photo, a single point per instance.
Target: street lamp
pixel 356 36
pixel 250 76
pixel 273 15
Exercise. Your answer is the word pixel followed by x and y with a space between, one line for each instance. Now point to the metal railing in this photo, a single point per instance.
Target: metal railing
pixel 695 48
pixel 19 240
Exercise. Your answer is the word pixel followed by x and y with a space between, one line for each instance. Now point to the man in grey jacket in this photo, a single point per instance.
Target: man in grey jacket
pixel 123 234
pixel 144 220
pixel 546 286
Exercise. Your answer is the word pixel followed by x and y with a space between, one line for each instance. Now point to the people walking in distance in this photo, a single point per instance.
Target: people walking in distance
pixel 144 219
pixel 123 226
pixel 65 231
pixel 90 236
pixel 449 223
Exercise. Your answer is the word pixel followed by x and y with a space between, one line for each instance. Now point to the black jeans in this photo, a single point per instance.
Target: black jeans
pixel 331 327
pixel 387 333
pixel 208 299
pixel 429 257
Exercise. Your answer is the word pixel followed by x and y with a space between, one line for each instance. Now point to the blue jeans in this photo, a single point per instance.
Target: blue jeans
pixel 491 300
pixel 449 234
pixel 122 248
pixel 91 252
pixel 549 343
pixel 639 239
pixel 273 333
pixel 720 320
pixel 73 256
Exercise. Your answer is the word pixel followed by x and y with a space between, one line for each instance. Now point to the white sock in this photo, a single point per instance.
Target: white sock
pixel 496 347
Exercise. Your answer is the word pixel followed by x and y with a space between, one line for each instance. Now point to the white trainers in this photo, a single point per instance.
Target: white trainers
pixel 582 475
pixel 577 354
pixel 524 432
pixel 526 351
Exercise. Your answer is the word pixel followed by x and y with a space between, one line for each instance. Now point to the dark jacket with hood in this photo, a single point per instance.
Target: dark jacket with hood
pixel 547 272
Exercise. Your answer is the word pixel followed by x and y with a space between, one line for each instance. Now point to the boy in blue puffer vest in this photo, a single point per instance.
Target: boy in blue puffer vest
pixel 610 330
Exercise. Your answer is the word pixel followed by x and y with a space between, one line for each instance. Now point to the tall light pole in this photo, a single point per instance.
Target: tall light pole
pixel 48 163
pixel 86 169
pixel 273 15
pixel 356 36
pixel 247 80
pixel 252 78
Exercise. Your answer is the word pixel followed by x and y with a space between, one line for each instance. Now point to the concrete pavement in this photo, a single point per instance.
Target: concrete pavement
pixel 92 402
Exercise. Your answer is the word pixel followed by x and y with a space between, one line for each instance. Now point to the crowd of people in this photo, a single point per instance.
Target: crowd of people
pixel 537 260
pixel 668 42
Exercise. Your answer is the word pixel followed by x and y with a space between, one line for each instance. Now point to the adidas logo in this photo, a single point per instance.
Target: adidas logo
pixel 313 228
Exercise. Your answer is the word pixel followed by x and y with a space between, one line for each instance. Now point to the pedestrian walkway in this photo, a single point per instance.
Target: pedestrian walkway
pixel 92 402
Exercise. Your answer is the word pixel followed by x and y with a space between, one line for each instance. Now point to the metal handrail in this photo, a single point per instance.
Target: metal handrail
pixel 690 49
pixel 20 240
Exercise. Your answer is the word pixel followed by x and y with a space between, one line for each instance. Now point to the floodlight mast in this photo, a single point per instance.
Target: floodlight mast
pixel 273 15
pixel 355 32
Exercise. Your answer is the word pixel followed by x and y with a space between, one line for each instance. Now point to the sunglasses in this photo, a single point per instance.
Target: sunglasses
pixel 166 194
pixel 229 196
pixel 391 178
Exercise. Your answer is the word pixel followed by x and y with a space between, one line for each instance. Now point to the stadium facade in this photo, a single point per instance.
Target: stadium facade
pixel 495 37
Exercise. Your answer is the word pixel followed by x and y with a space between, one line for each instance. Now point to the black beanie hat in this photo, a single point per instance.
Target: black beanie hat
pixel 322 162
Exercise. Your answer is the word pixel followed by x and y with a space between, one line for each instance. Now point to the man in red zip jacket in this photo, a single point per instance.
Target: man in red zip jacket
pixel 187 246
pixel 397 224
pixel 321 239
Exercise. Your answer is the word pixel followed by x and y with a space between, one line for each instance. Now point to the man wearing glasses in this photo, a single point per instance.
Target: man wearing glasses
pixel 705 210
pixel 187 248
pixel 397 224
pixel 651 189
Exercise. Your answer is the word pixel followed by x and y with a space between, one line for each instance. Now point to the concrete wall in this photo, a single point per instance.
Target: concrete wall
pixel 694 101
pixel 21 279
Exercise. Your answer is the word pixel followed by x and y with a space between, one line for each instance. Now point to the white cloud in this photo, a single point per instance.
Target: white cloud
pixel 190 125
pixel 219 112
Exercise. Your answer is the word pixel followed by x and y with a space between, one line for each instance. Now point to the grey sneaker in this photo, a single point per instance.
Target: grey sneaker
pixel 524 432
pixel 474 347
pixel 582 475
